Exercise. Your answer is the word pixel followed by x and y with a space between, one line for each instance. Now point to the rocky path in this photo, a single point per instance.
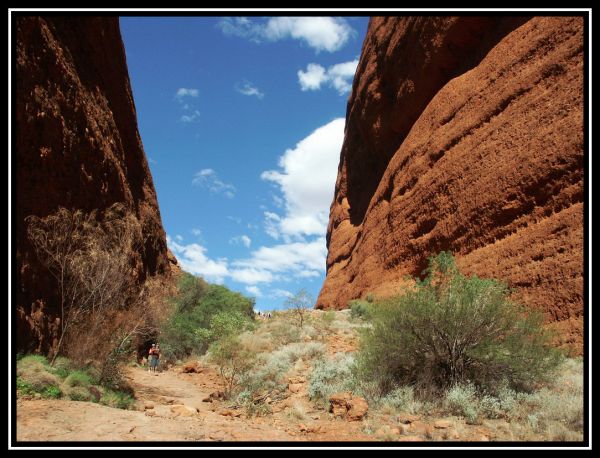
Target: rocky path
pixel 161 416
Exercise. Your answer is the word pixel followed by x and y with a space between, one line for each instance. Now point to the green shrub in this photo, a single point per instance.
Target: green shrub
pixel 78 393
pixel 401 399
pixel 52 392
pixel 78 378
pixel 203 313
pixel 283 334
pixel 330 376
pixel 62 366
pixel 35 372
pixel 450 329
pixel 266 376
pixel 233 361
pixel 359 309
pixel 462 400
pixel 116 399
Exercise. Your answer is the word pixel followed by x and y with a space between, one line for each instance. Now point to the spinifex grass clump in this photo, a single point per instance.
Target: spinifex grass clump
pixel 451 329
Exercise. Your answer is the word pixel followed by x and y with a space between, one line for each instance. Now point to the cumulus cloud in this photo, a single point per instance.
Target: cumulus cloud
pixel 264 265
pixel 279 293
pixel 306 179
pixel 190 117
pixel 247 88
pixel 241 240
pixel 207 178
pixel 312 78
pixel 320 33
pixel 194 260
pixel 186 92
pixel 338 77
pixel 254 290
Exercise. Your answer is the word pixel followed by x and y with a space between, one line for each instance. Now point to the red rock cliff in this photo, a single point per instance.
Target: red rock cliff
pixel 77 145
pixel 464 134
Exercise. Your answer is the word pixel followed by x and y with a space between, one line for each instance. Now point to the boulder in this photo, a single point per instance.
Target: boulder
pixel 345 405
pixel 181 410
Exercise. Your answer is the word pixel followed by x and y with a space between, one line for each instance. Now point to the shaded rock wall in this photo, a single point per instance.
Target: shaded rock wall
pixel 77 145
pixel 464 134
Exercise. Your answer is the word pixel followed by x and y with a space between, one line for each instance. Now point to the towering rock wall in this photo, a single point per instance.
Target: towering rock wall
pixel 77 146
pixel 464 134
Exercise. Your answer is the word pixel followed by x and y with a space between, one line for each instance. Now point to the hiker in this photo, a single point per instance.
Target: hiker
pixel 152 358
pixel 157 357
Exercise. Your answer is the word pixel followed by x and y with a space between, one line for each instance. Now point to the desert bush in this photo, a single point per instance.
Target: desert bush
pixel 450 329
pixel 400 399
pixel 283 334
pixel 116 399
pixel 78 378
pixel 233 361
pixel 462 400
pixel 359 308
pixel 256 343
pixel 297 412
pixel 35 373
pixel 327 319
pixel 330 376
pixel 78 393
pixel 300 305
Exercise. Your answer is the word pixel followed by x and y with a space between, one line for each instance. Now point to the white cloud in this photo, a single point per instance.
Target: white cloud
pixel 241 240
pixel 250 275
pixel 190 117
pixel 320 33
pixel 312 78
pixel 307 181
pixel 294 257
pixel 264 265
pixel 338 76
pixel 272 224
pixel 196 232
pixel 247 88
pixel 193 259
pixel 207 178
pixel 277 293
pixel 179 237
pixel 254 290
pixel 235 219
pixel 186 92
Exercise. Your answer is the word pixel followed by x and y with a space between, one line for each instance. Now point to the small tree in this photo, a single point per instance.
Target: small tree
pixel 300 304
pixel 89 256
pixel 233 361
pixel 452 329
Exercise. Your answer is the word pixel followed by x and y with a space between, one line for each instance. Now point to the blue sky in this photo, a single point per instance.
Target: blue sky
pixel 242 122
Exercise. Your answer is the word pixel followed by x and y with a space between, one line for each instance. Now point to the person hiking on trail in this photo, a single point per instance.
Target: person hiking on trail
pixel 152 358
pixel 157 357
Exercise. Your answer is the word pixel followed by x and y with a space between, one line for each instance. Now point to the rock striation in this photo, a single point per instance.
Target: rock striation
pixel 77 146
pixel 464 134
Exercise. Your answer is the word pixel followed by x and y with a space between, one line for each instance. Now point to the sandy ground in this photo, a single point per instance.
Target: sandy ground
pixel 60 420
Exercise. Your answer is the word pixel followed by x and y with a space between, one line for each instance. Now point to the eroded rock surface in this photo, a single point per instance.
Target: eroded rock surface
pixel 464 134
pixel 77 146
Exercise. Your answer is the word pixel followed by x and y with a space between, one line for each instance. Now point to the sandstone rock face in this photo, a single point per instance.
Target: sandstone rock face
pixel 77 146
pixel 464 134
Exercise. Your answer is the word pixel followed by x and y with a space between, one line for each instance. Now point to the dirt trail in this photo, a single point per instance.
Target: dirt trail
pixel 59 420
